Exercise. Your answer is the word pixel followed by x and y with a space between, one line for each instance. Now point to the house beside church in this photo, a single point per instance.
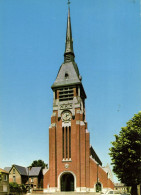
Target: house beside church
pixel 73 163
pixel 32 177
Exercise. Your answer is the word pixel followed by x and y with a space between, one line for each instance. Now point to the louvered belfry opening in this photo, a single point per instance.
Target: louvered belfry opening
pixel 66 143
pixel 66 93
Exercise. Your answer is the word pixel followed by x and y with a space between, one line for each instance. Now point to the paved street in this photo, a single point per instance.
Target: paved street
pixel 67 193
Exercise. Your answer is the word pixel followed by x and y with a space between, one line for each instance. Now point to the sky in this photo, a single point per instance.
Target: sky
pixel 107 46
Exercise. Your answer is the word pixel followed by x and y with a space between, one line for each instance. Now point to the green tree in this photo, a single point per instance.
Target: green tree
pixel 39 163
pixel 126 153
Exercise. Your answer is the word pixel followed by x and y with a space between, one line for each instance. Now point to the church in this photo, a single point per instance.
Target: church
pixel 73 163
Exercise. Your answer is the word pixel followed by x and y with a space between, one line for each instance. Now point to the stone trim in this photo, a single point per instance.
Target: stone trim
pixel 81 123
pixel 52 125
pixel 66 124
pixel 66 160
pixel 48 189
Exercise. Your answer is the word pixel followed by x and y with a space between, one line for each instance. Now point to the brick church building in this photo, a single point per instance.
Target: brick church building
pixel 73 163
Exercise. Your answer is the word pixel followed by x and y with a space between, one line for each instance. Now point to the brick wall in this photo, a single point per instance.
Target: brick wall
pixel 46 179
pixel 81 165
pixel 16 174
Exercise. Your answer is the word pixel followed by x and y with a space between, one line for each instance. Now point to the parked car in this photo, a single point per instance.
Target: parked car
pixel 115 192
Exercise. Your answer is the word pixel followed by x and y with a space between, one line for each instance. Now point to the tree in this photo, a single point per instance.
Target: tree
pixel 126 153
pixel 39 163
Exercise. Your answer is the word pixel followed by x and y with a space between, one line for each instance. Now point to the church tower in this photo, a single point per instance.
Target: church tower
pixel 73 163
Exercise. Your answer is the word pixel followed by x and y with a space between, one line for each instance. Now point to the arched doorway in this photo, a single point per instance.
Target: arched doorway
pixel 67 182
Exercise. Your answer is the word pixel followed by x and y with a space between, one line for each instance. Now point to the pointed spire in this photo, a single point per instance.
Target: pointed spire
pixel 69 54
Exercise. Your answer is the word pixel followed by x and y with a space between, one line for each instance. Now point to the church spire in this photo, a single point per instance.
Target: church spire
pixel 69 54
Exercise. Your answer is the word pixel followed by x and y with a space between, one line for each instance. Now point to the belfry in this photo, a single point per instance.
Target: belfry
pixel 73 163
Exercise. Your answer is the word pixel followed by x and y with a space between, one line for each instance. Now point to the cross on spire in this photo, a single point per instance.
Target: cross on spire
pixel 68 2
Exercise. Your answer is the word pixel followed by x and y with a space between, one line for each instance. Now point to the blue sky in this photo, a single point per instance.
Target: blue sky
pixel 107 46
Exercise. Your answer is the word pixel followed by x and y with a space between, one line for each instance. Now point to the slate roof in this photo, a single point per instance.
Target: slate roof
pixel 34 171
pixel 21 170
pixel 95 156
pixel 73 75
pixel 7 169
pixel 69 67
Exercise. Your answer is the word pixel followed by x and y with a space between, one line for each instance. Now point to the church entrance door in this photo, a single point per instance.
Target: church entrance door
pixel 67 182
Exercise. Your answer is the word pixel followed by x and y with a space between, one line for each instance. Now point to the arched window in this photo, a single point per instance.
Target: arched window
pixel 98 187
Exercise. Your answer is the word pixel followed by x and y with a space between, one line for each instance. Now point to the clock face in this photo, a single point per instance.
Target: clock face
pixel 66 116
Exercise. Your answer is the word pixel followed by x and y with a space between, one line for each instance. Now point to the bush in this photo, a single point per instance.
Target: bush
pixel 14 187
